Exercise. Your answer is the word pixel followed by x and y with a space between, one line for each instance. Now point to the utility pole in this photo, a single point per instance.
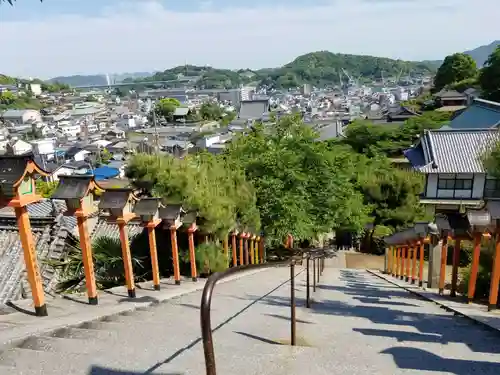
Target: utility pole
pixel 156 136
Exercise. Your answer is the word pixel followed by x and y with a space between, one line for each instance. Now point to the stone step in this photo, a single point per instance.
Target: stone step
pixel 57 344
pixel 82 334
pixel 32 362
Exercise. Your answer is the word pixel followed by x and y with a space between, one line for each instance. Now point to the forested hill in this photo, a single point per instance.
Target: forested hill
pixel 317 68
pixel 322 68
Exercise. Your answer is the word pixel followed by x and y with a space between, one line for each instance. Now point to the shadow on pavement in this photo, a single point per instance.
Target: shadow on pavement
pixel 96 370
pixel 418 359
pixel 258 338
pixel 438 328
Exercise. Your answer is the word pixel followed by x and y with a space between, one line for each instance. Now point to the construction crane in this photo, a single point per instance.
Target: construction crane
pixel 351 81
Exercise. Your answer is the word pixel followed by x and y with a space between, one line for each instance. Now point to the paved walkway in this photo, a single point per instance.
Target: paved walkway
pixel 358 324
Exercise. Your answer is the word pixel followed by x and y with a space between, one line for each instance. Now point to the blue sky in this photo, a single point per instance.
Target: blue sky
pixel 61 37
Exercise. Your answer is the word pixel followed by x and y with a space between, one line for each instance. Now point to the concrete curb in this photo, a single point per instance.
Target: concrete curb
pixel 48 325
pixel 423 295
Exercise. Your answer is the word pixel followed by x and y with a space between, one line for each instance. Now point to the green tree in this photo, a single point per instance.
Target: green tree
pixel 7 98
pixel 391 140
pixel 45 189
pixel 91 98
pixel 455 68
pixel 303 186
pixel 489 78
pixel 214 187
pixel 210 111
pixel 165 108
pixel 391 194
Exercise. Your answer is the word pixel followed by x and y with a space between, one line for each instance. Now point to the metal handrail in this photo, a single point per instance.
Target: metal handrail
pixel 206 299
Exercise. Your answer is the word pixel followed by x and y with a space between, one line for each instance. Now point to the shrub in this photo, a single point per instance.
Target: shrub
pixel 108 265
pixel 483 275
pixel 210 258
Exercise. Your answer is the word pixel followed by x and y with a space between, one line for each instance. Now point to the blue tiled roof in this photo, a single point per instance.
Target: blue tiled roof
pixel 480 115
pixel 415 156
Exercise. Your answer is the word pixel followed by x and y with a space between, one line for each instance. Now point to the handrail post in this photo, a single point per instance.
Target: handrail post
pixel 314 274
pixel 319 269
pixel 308 293
pixel 293 321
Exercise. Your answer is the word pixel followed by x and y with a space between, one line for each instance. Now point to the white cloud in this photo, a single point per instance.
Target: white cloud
pixel 143 35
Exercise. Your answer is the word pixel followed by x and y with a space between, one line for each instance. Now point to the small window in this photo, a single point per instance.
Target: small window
pixel 446 184
pixel 463 184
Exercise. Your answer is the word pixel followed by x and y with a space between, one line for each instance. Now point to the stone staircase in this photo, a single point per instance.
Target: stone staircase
pixel 152 338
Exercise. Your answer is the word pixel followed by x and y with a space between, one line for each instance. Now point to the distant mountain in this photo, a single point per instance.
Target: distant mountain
pixel 480 54
pixel 320 69
pixel 123 76
pixel 98 79
pixel 81 80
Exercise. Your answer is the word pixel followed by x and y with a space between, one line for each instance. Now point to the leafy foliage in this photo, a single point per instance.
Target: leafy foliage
pixel 455 68
pixel 489 78
pixel 371 140
pixel 209 258
pixel 303 187
pixel 323 69
pixel 108 265
pixel 166 107
pixel 45 189
pixel 202 182
pixel 9 100
pixel 210 111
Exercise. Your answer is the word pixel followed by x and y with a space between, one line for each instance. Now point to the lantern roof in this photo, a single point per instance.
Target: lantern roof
pixel 171 211
pixel 115 198
pixel 147 206
pixel 13 168
pixel 190 217
pixel 74 187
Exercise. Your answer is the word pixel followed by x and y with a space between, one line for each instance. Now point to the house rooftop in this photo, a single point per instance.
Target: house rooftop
pixel 481 114
pixel 452 151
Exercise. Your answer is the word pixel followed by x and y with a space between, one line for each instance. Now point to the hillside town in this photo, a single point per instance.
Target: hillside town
pixel 338 214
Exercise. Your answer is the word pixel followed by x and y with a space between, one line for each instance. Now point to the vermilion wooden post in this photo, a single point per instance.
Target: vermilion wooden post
pixel 153 251
pixel 87 259
pixel 256 250
pixel 192 253
pixel 242 235
pixel 454 271
pixel 245 244
pixel 127 259
pixel 393 256
pixel 30 260
pixel 251 249
pixel 414 264
pixel 475 266
pixel 175 255
pixel 408 262
pixel 117 204
pixel 403 258
pixel 234 249
pixel 495 275
pixel 421 267
pixel 398 262
pixel 442 271
pixel 17 190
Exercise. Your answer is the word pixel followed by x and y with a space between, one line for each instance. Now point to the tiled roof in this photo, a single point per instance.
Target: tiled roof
pixel 105 229
pixel 50 243
pixel 481 114
pixel 253 109
pixel 71 187
pixel 456 151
